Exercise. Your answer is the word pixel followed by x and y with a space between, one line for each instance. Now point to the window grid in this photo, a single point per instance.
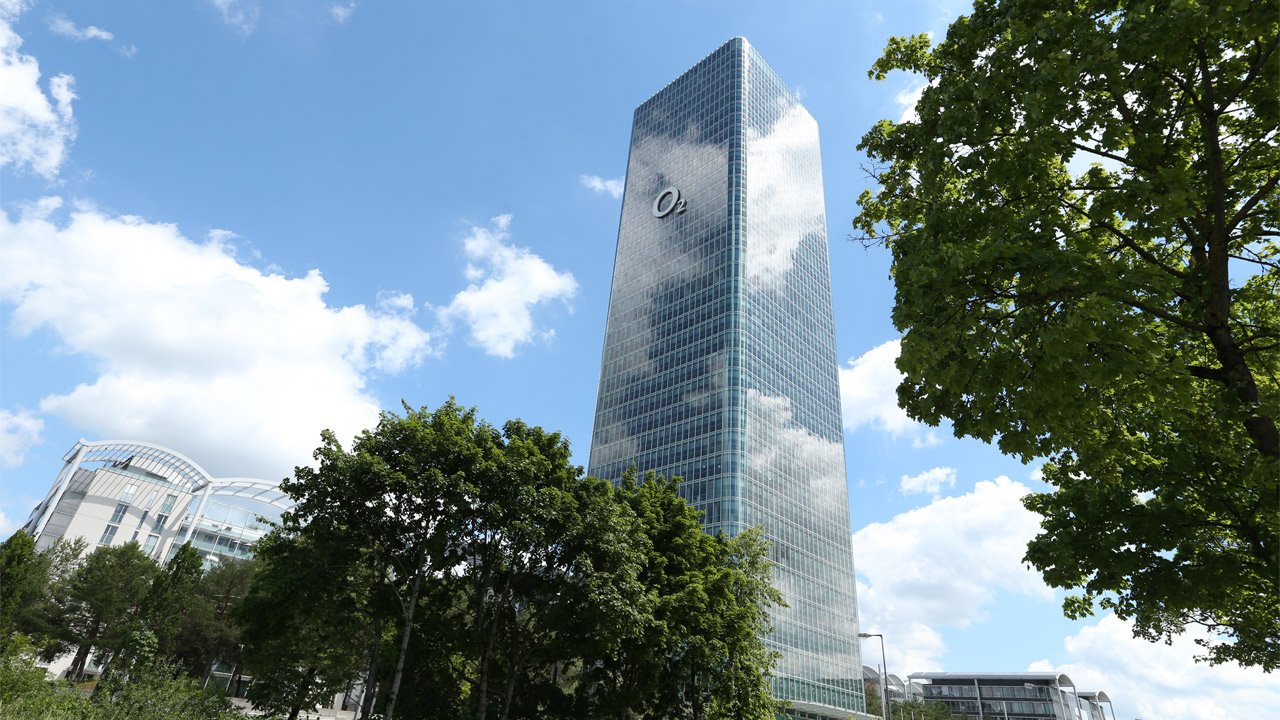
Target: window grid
pixel 719 360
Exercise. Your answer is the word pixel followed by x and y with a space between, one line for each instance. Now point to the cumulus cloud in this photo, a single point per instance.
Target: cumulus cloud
pixel 907 100
pixel 612 188
pixel 61 25
pixel 869 396
pixel 18 432
pixel 341 12
pixel 239 14
pixel 35 126
pixel 942 564
pixel 507 282
pixel 8 525
pixel 1162 682
pixel 929 481
pixel 11 9
pixel 194 349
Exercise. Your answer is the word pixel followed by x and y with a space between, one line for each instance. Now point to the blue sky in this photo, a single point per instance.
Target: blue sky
pixel 227 224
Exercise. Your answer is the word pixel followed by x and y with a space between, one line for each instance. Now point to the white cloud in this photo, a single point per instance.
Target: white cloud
pixel 18 432
pixel 35 128
pixel 869 396
pixel 8 526
pixel 612 188
pixel 1155 681
pixel 506 283
pixel 929 481
pixel 341 12
pixel 61 25
pixel 942 564
pixel 195 350
pixel 915 645
pixel 11 9
pixel 907 100
pixel 239 14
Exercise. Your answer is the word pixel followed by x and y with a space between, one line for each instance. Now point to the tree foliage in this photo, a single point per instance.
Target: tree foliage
pixel 30 585
pixel 173 594
pixel 454 569
pixel 207 632
pixel 299 624
pixel 152 692
pixel 1122 319
pixel 99 603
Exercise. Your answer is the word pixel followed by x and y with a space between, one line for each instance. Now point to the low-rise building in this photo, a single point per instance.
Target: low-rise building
pixel 1011 696
pixel 111 493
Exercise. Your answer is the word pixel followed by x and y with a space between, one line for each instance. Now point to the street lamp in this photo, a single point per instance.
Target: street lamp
pixel 884 675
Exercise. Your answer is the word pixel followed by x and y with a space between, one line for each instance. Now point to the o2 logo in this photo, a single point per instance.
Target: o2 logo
pixel 668 202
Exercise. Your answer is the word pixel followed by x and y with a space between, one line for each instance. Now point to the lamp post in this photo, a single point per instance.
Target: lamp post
pixel 884 675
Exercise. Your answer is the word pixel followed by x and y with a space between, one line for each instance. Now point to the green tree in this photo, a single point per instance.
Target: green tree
pixel 24 692
pixel 300 624
pixel 28 581
pixel 694 644
pixel 1120 320
pixel 173 594
pixel 390 509
pixel 208 632
pixel 459 570
pixel 100 599
pixel 25 577
pixel 516 581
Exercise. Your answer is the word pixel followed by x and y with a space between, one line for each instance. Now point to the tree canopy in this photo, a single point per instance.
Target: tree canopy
pixel 1083 222
pixel 449 568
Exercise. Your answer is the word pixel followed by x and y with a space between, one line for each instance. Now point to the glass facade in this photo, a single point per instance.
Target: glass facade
pixel 1012 697
pixel 719 359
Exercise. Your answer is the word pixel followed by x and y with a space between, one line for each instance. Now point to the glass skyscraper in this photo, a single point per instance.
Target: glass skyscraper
pixel 719 357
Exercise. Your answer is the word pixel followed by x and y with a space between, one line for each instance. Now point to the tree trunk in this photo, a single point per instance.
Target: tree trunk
pixel 76 671
pixel 297 708
pixel 375 656
pixel 482 681
pixel 1237 374
pixel 404 640
pixel 482 671
pixel 512 671
pixel 371 675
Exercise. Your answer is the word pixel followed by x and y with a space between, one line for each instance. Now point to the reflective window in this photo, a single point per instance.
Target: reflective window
pixel 108 535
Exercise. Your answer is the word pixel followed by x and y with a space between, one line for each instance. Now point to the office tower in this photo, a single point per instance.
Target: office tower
pixel 719 357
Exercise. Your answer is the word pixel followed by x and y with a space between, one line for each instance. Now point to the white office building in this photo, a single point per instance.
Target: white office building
pixel 111 493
